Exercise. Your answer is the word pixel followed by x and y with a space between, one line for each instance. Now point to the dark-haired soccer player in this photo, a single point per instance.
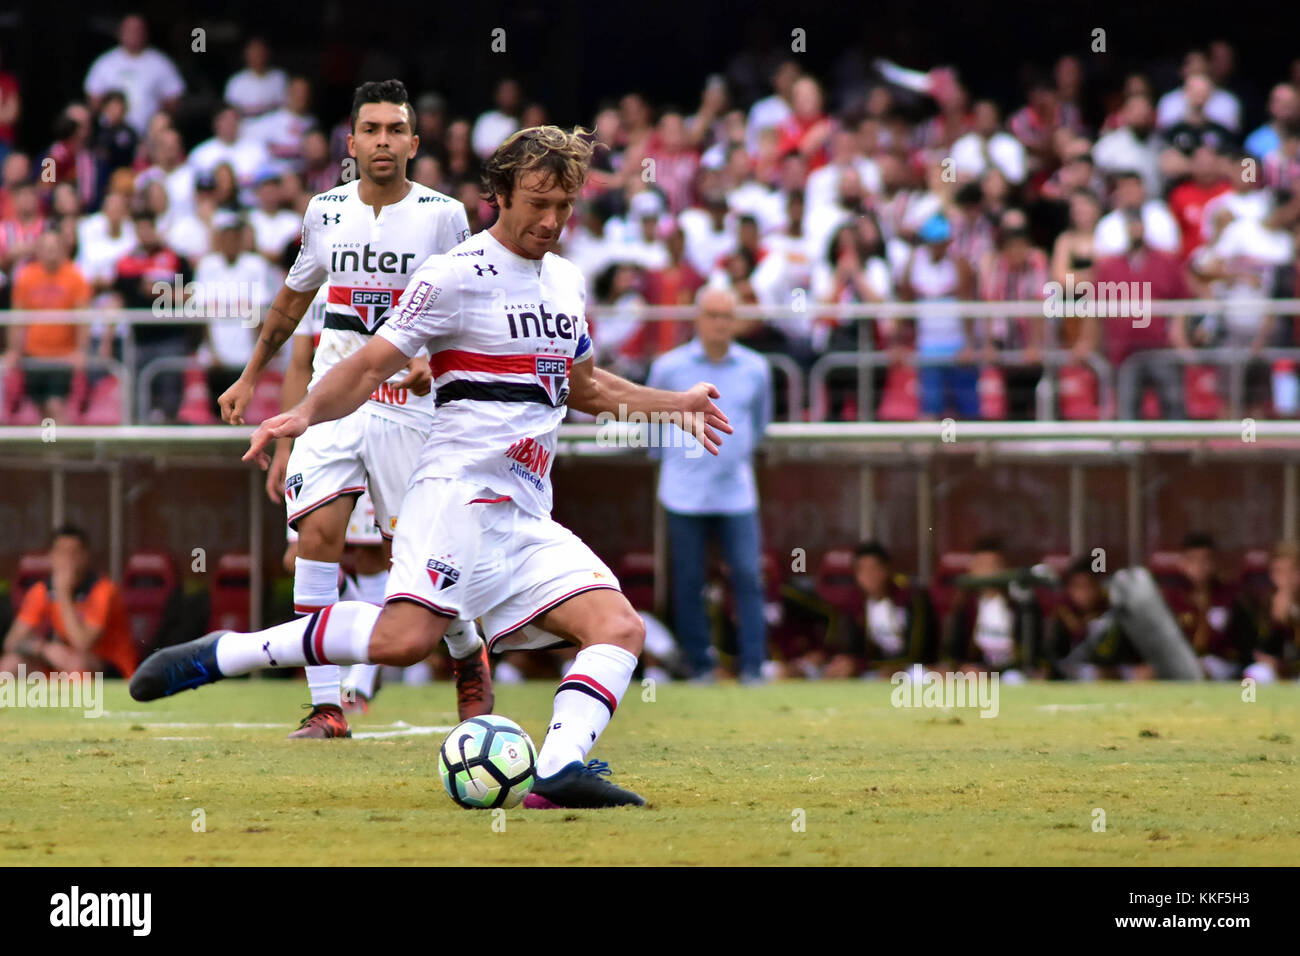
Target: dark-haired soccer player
pixel 504 319
pixel 365 239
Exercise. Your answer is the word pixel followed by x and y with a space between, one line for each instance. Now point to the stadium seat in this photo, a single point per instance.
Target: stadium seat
pixel 103 405
pixel 78 393
pixel 636 575
pixel 773 579
pixel 15 407
pixel 32 567
pixel 265 402
pixel 900 400
pixel 1150 405
pixel 231 593
pixel 1255 581
pixel 148 582
pixel 196 400
pixel 836 584
pixel 992 390
pixel 1166 568
pixel 1202 397
pixel 1079 394
pixel 943 590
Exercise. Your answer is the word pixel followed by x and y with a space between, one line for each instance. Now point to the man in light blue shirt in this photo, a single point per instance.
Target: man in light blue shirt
pixel 1283 108
pixel 716 497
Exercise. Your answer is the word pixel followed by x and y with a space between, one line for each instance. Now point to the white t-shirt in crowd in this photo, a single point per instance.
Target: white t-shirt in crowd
pixel 234 296
pixel 146 79
pixel 1158 225
pixel 98 251
pixel 255 95
pixel 273 231
pixel 491 130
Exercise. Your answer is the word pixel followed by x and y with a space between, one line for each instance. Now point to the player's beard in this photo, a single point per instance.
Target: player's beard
pixel 386 177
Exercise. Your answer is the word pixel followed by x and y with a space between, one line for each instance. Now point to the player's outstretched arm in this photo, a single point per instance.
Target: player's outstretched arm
pixel 341 392
pixel 287 310
pixel 296 379
pixel 597 391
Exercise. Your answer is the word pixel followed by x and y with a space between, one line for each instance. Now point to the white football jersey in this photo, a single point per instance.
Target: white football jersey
pixel 313 320
pixel 503 333
pixel 367 261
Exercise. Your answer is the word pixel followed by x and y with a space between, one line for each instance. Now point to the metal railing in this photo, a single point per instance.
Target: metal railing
pixel 93 362
pixel 802 390
pixel 865 362
pixel 1235 361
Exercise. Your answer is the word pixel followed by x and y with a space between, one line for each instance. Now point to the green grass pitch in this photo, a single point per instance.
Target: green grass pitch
pixel 787 774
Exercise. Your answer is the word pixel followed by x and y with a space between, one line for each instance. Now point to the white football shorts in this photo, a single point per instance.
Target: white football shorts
pixel 362 531
pixel 348 456
pixel 464 551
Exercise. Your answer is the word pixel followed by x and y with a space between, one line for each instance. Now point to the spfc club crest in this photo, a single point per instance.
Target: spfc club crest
pixel 292 486
pixel 442 575
pixel 372 305
pixel 553 375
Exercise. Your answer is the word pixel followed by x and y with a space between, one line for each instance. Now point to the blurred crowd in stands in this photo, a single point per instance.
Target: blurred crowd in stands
pixel 854 614
pixel 903 187
pixel 858 616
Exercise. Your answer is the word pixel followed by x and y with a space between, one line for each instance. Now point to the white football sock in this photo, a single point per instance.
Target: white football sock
pixel 340 634
pixel 361 677
pixel 584 703
pixel 462 639
pixel 315 587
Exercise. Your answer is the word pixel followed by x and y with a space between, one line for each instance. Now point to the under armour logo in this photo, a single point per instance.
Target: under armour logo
pixel 266 649
pixel 331 219
pixel 491 269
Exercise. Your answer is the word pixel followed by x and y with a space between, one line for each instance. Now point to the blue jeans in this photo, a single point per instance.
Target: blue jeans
pixel 949 386
pixel 742 549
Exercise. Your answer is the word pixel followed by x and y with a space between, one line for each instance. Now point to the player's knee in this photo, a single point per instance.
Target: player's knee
pixel 318 541
pixel 404 636
pixel 399 648
pixel 626 630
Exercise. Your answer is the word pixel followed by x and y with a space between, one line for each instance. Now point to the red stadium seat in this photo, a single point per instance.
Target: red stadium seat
pixel 231 593
pixel 1150 405
pixel 1166 568
pixel 26 413
pixel 772 577
pixel 196 400
pixel 900 400
pixel 148 582
pixel 265 402
pixel 32 567
pixel 636 575
pixel 992 390
pixel 1203 398
pixel 15 407
pixel 1079 394
pixel 103 404
pixel 78 393
pixel 1255 580
pixel 943 590
pixel 836 584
